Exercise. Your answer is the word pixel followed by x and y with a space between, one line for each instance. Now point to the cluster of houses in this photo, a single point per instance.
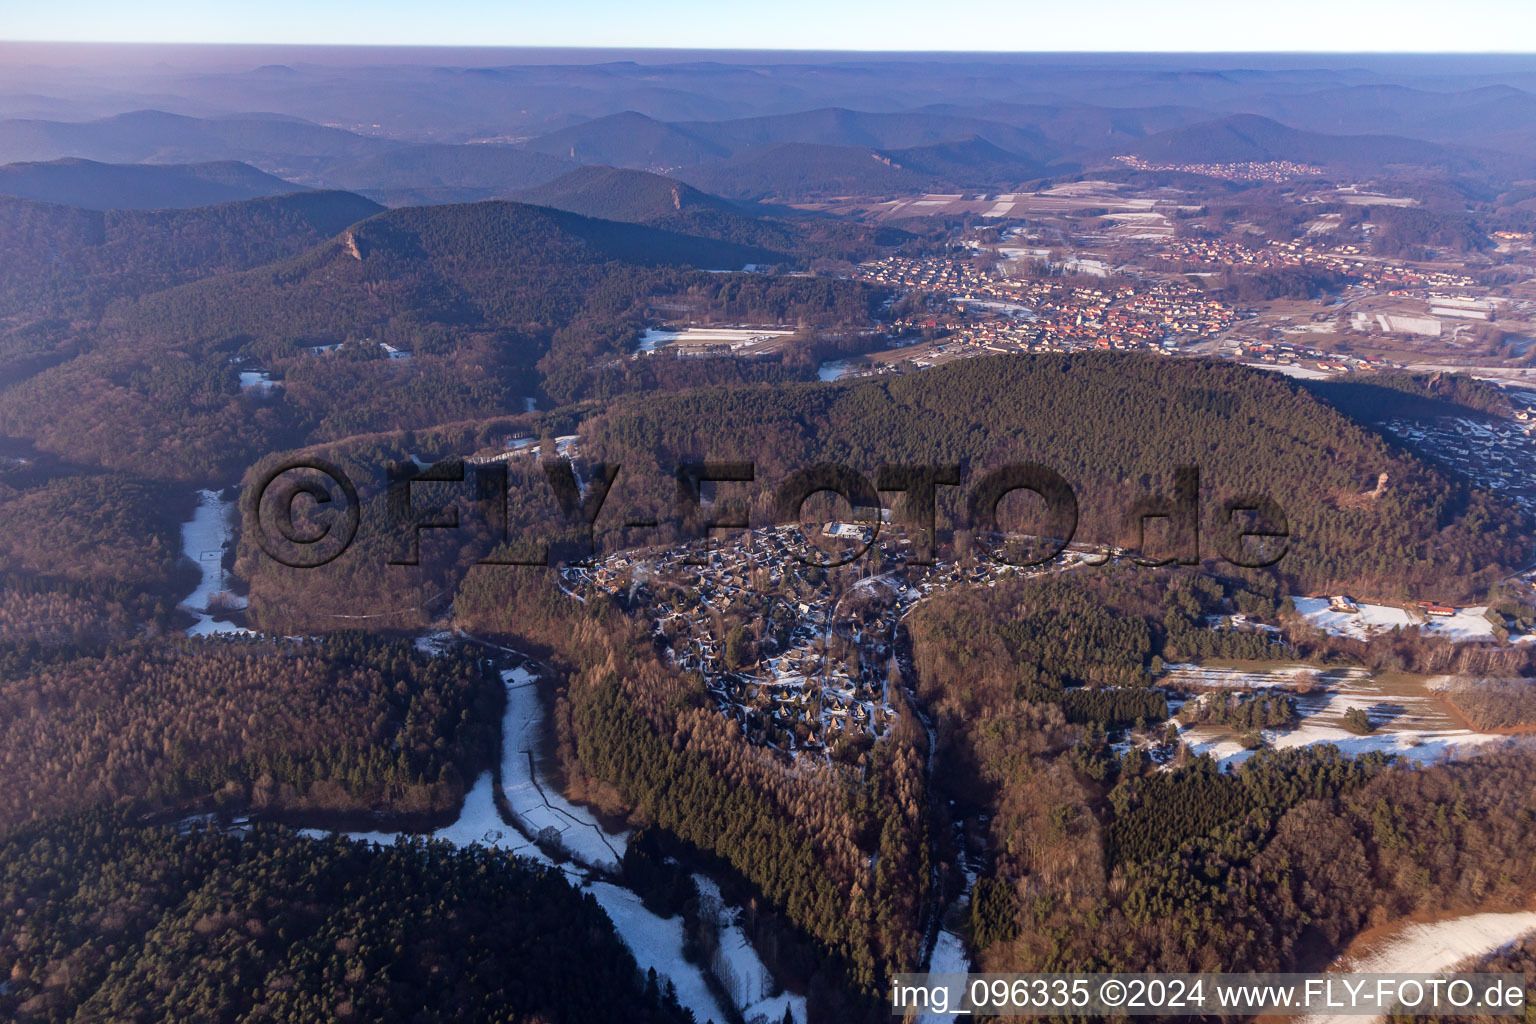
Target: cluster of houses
pixel 1497 454
pixel 801 656
pixel 1285 353
pixel 996 312
pixel 1272 171
pixel 1346 260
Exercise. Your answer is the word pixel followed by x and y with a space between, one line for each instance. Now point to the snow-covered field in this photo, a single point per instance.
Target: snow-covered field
pixel 478 822
pixel 1292 370
pixel 658 942
pixel 738 966
pixel 1466 624
pixel 947 966
pixel 1425 747
pixel 1441 946
pixel 949 955
pixel 257 380
pixel 832 369
pixel 1193 675
pixel 202 540
pixel 542 807
pixel 1431 949
pixel 1407 716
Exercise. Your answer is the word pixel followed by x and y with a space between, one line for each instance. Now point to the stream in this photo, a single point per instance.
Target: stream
pixel 584 850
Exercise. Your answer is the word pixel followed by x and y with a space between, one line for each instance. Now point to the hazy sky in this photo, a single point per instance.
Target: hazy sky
pixel 1503 26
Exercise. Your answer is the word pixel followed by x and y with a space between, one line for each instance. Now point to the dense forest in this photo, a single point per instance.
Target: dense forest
pixel 107 528
pixel 1115 428
pixel 480 306
pixel 101 919
pixel 349 724
pixel 1496 704
pixel 65 266
pixel 1274 866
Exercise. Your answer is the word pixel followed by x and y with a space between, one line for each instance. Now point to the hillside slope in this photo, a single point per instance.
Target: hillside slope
pixel 446 173
pixel 1115 427
pixel 65 265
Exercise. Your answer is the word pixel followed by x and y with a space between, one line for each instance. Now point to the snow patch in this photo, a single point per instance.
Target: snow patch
pixel 1372 619
pixel 737 966
pixel 658 942
pixel 202 540
pixel 540 807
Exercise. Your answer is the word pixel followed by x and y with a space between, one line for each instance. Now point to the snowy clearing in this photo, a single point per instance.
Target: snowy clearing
pixel 658 943
pixel 478 822
pixel 1193 675
pixel 737 966
pixel 1406 714
pixel 202 540
pixel 1427 948
pixel 539 807
pixel 832 369
pixel 1415 948
pixel 1466 624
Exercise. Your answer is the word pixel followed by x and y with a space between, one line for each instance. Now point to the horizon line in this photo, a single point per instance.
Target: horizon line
pixel 556 47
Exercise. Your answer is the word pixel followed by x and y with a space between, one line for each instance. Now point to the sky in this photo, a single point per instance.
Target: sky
pixel 1473 26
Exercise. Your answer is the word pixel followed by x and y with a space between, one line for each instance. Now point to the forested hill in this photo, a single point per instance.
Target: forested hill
pixel 1115 427
pixel 490 265
pixel 62 261
pixel 103 921
pixel 1381 396
pixel 640 197
pixel 98 186
pixel 803 169
pixel 617 194
pixel 63 266
pixel 490 300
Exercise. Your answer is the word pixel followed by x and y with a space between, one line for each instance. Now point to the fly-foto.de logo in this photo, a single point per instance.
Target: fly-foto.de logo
pixel 307 512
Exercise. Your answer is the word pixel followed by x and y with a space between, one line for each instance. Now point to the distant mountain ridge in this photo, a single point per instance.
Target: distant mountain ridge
pixel 629 140
pixel 792 170
pixel 98 186
pixel 278 145
pixel 1244 138
pixel 419 175
pixel 833 150
pixel 837 126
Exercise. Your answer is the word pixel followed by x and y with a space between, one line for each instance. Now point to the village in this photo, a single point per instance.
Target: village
pixel 800 654
pixel 1097 279
pixel 1496 453
pixel 979 312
